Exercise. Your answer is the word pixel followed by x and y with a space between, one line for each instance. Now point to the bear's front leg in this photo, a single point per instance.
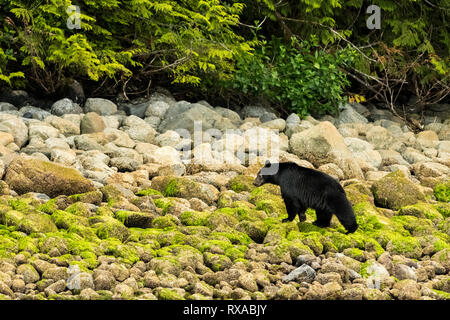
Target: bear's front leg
pixel 291 210
pixel 323 218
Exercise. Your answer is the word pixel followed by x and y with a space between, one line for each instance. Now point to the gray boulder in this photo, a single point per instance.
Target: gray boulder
pixel 101 106
pixel 183 115
pixel 304 273
pixel 65 106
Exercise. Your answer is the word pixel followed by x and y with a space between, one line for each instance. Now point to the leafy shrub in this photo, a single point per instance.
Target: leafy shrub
pixel 302 76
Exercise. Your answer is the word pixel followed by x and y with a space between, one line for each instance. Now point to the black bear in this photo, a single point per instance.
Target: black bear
pixel 303 188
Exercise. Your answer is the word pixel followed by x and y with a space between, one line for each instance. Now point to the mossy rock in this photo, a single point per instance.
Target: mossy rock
pixel 79 209
pixel 217 262
pixel 104 211
pixel 242 183
pixel 170 237
pixel 234 236
pixel 406 246
pixel 194 218
pixel 164 222
pixel 221 217
pixel 133 219
pixel 149 192
pixel 442 191
pixel 49 207
pixel 443 208
pixel 421 210
pixel 256 230
pixel 114 247
pixel 26 174
pixel 168 294
pixel 93 197
pixel 267 201
pixel 165 264
pixel 358 192
pixel 65 220
pixel 415 226
pixel 24 205
pixel 164 203
pixel 394 191
pixel 109 227
pixel 28 223
pixel 182 187
pixel 444 226
pixel 443 257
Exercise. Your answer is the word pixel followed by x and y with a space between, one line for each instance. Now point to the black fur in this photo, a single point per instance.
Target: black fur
pixel 303 188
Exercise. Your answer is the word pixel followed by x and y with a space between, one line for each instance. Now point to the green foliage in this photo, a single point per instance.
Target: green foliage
pixel 301 75
pixel 410 52
pixel 118 39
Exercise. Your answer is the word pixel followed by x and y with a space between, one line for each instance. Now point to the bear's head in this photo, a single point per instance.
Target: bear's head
pixel 266 174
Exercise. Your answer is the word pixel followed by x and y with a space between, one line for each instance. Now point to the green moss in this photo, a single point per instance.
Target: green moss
pixel 358 192
pixel 354 253
pixel 168 294
pixel 49 207
pixel 109 227
pixel 234 236
pixel 267 201
pixel 167 238
pixel 194 218
pixel 164 222
pixel 407 246
pixel 164 204
pixel 242 183
pixel 84 232
pixel 394 191
pixel 442 294
pixel 220 218
pixel 171 189
pixel 256 230
pixel 415 226
pixel 149 192
pixel 443 208
pixel 421 210
pixel 442 191
pixel 21 204
pixel 217 262
pixel 235 253
pixel 134 219
pixel 93 197
pixel 79 209
pixel 372 245
pixel 65 220
pixel 123 252
pixel 104 211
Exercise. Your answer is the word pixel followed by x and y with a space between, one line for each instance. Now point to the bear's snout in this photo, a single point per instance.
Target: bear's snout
pixel 258 181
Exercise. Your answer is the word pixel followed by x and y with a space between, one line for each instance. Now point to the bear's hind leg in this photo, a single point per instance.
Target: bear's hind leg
pixel 323 218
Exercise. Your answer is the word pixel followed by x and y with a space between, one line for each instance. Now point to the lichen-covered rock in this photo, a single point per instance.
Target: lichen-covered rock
pixel 395 191
pixel 31 175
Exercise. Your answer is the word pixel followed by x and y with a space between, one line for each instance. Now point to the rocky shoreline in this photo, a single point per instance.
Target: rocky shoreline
pixel 154 199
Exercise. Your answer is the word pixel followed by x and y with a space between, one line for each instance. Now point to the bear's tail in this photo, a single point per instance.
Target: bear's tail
pixel 344 212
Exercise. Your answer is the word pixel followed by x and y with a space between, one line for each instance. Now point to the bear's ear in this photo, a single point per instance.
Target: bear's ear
pixel 267 163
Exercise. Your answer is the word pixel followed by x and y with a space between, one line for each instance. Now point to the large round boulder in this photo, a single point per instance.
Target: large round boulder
pixel 323 144
pixel 26 174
